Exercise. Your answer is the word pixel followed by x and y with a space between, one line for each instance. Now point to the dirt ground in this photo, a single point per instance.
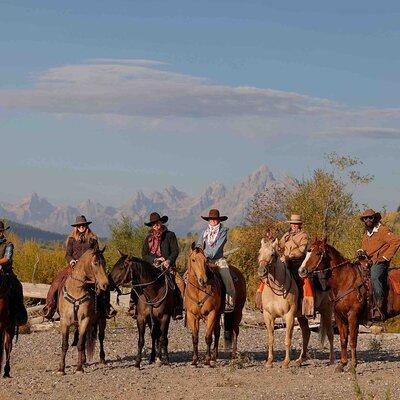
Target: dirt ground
pixel 36 355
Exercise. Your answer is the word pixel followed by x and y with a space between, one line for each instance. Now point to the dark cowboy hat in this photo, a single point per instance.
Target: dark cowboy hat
pixel 155 217
pixel 369 212
pixel 81 220
pixel 3 227
pixel 214 214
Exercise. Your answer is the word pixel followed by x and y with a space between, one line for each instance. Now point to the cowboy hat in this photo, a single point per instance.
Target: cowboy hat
pixel 81 220
pixel 155 217
pixel 369 212
pixel 295 219
pixel 2 227
pixel 214 214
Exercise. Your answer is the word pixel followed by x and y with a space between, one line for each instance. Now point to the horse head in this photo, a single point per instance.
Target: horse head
pixel 97 268
pixel 267 255
pixel 316 258
pixel 121 273
pixel 198 264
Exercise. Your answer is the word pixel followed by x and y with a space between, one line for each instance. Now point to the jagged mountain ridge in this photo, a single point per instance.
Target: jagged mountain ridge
pixel 183 210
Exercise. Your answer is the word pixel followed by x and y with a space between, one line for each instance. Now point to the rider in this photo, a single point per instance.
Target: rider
pixel 213 240
pixel 380 245
pixel 17 307
pixel 293 244
pixel 161 249
pixel 80 240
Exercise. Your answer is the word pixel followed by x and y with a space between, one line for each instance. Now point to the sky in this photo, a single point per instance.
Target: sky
pixel 100 99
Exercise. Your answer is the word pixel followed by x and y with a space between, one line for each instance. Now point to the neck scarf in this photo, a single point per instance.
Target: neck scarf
pixel 210 234
pixel 155 241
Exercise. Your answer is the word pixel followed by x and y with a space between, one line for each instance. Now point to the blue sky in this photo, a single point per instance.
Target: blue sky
pixel 99 98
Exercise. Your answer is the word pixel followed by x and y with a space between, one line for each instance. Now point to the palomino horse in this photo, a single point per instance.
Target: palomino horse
pixel 348 293
pixel 77 304
pixel 7 324
pixel 203 300
pixel 280 299
pixel 155 303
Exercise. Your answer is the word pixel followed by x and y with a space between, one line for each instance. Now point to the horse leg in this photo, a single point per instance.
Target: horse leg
pixel 84 326
pixel 154 343
pixel 164 340
pixel 344 334
pixel 353 328
pixel 289 318
pixel 217 332
pixel 141 324
pixel 193 324
pixel 1 348
pixel 305 333
pixel 8 338
pixel 102 328
pixel 210 324
pixel 269 323
pixel 64 346
pixel 326 327
pixel 76 337
pixel 235 333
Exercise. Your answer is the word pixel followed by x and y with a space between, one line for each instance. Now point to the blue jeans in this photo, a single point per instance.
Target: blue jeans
pixel 378 278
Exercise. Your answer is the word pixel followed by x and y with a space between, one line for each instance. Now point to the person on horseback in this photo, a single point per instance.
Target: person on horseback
pixel 161 249
pixel 81 239
pixel 213 240
pixel 293 244
pixel 17 307
pixel 379 245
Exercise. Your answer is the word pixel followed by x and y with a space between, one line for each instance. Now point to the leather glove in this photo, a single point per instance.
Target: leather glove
pixel 72 263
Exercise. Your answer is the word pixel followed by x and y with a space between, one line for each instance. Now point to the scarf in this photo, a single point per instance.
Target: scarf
pixel 211 234
pixel 155 241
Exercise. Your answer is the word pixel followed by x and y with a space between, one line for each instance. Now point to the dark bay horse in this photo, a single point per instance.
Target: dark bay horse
pixel 155 303
pixel 348 293
pixel 203 300
pixel 7 324
pixel 76 304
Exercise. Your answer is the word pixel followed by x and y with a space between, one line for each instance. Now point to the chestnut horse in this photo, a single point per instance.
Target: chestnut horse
pixel 155 303
pixel 348 293
pixel 203 300
pixel 77 304
pixel 280 299
pixel 7 324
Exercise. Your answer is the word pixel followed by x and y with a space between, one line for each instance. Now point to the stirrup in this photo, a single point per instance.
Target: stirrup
pixel 229 304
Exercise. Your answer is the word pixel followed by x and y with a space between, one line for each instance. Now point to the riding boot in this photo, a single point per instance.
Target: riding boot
pixel 379 313
pixel 107 308
pixel 229 303
pixel 17 306
pixel 178 305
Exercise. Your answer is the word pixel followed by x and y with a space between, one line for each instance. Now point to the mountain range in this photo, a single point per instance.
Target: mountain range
pixel 183 210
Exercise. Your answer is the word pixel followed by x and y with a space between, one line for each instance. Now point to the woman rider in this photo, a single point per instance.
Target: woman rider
pixel 161 249
pixel 80 240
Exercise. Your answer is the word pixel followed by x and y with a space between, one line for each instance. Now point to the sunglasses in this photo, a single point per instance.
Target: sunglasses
pixel 368 219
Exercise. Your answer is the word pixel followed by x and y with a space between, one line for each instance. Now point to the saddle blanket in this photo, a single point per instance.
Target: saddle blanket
pixel 394 279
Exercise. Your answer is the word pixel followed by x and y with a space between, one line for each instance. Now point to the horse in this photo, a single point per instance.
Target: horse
pixel 155 303
pixel 7 324
pixel 77 304
pixel 203 300
pixel 280 299
pixel 348 292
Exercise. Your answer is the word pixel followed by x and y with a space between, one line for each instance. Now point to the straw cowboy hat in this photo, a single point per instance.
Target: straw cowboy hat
pixel 295 219
pixel 155 217
pixel 214 214
pixel 369 212
pixel 81 220
pixel 3 227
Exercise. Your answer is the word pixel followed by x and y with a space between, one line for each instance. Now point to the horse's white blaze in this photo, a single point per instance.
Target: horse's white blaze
pixel 302 269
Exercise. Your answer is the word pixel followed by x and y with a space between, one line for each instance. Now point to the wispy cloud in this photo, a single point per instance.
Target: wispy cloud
pixel 145 94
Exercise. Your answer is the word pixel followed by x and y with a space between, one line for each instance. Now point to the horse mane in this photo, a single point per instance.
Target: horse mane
pixel 145 269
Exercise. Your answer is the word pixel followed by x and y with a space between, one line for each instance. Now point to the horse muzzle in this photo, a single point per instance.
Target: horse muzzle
pixel 303 273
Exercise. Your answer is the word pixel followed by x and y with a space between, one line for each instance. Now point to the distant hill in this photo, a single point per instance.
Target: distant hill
pixel 27 232
pixel 183 210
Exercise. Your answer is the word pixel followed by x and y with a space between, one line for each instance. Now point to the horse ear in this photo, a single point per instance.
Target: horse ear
pixel 121 253
pixel 275 244
pixel 324 240
pixel 193 246
pixel 103 249
pixel 262 241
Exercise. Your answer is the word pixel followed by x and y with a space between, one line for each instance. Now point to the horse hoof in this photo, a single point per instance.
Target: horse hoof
pixel 193 364
pixel 268 365
pixel 6 376
pixel 339 368
pixel 137 365
pixel 60 373
pixel 285 365
pixel 158 362
pixel 212 364
pixel 299 363
pixel 102 361
pixel 79 371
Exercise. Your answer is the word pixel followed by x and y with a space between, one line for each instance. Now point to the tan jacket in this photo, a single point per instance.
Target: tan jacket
pixel 381 245
pixel 294 245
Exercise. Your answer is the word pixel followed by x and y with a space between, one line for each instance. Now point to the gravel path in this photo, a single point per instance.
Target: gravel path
pixel 35 360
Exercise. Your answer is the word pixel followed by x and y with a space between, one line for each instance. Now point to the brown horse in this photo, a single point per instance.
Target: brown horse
pixel 203 300
pixel 77 304
pixel 348 293
pixel 7 324
pixel 155 303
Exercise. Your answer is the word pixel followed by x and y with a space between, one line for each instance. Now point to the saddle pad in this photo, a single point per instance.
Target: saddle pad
pixel 394 279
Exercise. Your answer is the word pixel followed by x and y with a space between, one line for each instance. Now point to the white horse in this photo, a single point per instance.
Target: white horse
pixel 279 296
pixel 280 300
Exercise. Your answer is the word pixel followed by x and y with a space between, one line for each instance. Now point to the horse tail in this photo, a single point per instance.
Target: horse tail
pixel 91 340
pixel 229 319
